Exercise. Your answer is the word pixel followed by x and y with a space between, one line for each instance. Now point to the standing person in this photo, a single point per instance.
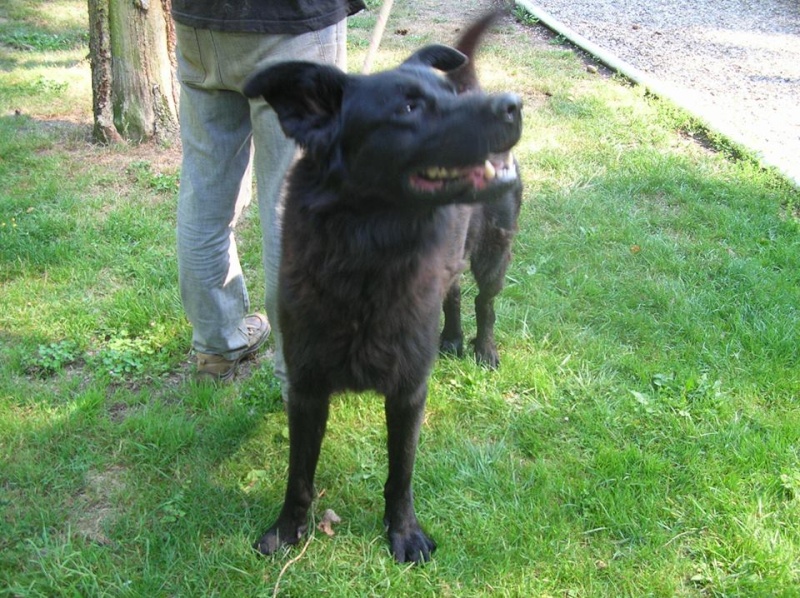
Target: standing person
pixel 219 45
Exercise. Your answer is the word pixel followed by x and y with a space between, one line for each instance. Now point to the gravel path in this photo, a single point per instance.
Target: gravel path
pixel 736 63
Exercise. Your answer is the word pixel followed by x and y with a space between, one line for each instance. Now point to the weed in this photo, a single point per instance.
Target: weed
pixel 790 482
pixel 172 510
pixel 52 358
pixel 123 357
pixel 8 227
pixel 523 16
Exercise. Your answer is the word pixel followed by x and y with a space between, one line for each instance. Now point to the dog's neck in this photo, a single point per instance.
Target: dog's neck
pixel 387 230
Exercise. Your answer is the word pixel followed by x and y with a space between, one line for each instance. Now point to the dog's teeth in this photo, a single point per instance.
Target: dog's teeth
pixel 489 171
pixel 439 172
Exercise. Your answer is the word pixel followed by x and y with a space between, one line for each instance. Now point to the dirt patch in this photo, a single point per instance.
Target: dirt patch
pixel 119 158
pixel 96 507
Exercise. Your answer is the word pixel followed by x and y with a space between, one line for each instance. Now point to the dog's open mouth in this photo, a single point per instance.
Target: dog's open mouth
pixel 436 178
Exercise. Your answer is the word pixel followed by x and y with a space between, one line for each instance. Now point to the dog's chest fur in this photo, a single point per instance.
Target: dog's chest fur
pixel 361 293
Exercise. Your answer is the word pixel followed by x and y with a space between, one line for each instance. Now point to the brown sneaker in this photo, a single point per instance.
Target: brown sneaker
pixel 217 368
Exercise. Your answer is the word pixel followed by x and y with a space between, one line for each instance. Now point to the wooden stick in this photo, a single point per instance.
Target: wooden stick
pixel 377 34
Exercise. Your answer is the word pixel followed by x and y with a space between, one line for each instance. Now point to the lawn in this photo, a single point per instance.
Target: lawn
pixel 641 437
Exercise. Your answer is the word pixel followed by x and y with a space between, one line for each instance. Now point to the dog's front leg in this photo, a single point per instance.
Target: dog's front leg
pixel 404 413
pixel 308 416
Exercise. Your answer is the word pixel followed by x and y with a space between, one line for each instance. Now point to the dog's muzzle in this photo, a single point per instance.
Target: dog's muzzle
pixel 508 107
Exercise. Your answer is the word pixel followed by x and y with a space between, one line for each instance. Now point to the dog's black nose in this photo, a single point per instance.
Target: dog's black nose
pixel 507 106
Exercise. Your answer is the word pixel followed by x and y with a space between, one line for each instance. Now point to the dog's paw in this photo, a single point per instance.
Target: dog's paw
pixel 486 355
pixel 454 346
pixel 278 536
pixel 490 358
pixel 411 546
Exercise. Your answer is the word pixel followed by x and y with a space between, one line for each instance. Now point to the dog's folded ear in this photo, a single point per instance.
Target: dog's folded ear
pixel 443 58
pixel 306 96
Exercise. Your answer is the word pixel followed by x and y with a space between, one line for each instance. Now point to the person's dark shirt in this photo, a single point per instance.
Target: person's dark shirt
pixel 263 16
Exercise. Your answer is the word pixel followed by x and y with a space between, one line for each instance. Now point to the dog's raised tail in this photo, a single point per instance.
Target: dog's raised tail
pixel 465 78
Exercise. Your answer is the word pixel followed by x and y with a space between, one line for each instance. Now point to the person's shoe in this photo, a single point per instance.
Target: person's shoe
pixel 217 368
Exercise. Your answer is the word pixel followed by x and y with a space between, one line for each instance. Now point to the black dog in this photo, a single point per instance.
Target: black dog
pixel 372 220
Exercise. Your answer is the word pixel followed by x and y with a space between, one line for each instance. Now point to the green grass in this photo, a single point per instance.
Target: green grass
pixel 642 437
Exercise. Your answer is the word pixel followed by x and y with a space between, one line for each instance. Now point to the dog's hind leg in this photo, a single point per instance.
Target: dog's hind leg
pixel 307 419
pixel 485 346
pixel 489 264
pixel 404 414
pixel 451 341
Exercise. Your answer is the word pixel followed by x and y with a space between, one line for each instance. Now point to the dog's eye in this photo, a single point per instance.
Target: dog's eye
pixel 409 107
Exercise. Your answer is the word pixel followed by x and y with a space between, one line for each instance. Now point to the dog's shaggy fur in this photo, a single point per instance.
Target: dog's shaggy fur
pixel 404 174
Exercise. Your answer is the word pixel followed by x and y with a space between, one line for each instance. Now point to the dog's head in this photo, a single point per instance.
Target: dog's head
pixel 407 136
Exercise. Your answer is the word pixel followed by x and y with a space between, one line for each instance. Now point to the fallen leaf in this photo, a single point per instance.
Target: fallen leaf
pixel 329 519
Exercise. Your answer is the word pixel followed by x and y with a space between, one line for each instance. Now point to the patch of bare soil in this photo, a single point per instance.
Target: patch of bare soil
pixel 96 507
pixel 75 137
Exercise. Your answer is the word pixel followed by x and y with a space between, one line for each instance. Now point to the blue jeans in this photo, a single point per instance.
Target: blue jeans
pixel 220 127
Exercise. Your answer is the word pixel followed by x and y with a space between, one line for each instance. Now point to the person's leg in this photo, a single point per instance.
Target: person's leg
pixel 213 68
pixel 273 157
pixel 215 188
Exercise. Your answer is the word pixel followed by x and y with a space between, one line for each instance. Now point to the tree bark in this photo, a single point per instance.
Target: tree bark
pixel 100 59
pixel 133 70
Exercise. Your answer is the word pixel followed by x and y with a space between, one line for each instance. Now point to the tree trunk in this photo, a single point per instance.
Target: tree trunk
pixel 132 46
pixel 100 58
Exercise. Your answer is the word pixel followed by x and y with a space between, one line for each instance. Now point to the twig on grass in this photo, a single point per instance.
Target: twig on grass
pixel 292 562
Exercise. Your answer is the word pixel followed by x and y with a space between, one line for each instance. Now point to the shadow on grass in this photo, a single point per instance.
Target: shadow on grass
pixel 106 469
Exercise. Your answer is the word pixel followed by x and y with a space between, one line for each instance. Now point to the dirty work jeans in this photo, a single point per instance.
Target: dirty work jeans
pixel 219 130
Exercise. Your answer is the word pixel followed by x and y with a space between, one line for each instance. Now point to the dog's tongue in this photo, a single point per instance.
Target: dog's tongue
pixel 481 175
pixel 423 184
